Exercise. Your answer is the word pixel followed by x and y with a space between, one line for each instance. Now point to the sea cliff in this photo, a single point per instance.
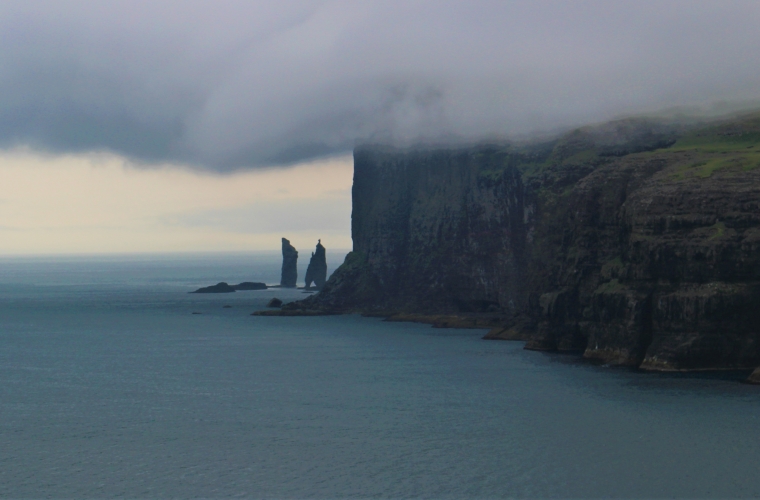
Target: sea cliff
pixel 635 242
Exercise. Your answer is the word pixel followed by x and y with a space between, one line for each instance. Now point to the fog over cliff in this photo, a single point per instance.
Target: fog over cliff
pixel 229 85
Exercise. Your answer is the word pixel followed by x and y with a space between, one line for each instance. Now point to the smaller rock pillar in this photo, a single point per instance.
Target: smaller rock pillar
pixel 317 270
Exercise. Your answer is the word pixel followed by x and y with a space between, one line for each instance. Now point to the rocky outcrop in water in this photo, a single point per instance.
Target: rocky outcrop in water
pixel 317 271
pixel 289 275
pixel 754 377
pixel 250 285
pixel 218 288
pixel 226 288
pixel 635 243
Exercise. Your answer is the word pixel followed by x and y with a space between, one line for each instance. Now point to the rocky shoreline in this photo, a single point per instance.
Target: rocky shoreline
pixel 636 242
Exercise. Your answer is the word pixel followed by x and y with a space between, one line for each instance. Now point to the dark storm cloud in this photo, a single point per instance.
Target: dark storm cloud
pixel 227 85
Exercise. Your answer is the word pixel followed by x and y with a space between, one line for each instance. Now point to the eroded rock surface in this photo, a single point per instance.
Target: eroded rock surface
pixel 317 271
pixel 635 243
pixel 289 275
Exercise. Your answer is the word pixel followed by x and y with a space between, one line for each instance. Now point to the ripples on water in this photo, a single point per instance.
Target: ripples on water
pixel 110 386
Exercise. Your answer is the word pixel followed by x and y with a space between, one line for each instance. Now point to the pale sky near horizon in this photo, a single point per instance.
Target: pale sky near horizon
pixel 98 203
pixel 223 125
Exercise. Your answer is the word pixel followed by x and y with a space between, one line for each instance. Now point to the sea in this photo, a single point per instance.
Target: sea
pixel 115 382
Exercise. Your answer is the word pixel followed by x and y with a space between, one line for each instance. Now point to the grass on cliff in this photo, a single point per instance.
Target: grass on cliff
pixel 724 138
pixel 733 145
pixel 612 286
pixel 719 140
pixel 703 169
pixel 720 146
pixel 720 229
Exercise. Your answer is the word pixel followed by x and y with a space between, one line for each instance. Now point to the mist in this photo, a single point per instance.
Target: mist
pixel 232 85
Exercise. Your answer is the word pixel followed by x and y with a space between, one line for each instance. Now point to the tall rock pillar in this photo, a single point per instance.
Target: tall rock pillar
pixel 289 265
pixel 317 270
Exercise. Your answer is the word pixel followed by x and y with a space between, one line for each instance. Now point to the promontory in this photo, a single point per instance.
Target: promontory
pixel 635 242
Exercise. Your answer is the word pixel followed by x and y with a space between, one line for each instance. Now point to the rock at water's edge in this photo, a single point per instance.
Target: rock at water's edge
pixel 506 333
pixel 289 274
pixel 295 312
pixel 754 378
pixel 275 302
pixel 218 288
pixel 317 271
pixel 250 285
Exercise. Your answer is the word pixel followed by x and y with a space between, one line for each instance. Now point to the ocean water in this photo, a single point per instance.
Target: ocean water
pixel 110 386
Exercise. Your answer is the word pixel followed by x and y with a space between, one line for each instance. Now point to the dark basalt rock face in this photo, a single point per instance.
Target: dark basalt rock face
pixel 289 274
pixel 250 285
pixel 434 231
pixel 275 302
pixel 635 243
pixel 317 271
pixel 218 288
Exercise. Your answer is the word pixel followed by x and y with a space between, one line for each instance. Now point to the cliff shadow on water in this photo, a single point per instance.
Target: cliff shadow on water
pixel 635 242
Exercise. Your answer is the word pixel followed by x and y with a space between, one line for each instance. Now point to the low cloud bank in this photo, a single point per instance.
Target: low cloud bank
pixel 232 85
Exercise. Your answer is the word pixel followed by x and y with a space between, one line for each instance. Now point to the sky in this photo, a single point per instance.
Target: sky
pixel 162 126
pixel 98 204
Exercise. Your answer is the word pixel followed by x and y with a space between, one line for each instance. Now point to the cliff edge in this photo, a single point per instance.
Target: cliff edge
pixel 635 242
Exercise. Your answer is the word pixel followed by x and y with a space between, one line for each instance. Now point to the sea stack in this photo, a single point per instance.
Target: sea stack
pixel 317 270
pixel 289 274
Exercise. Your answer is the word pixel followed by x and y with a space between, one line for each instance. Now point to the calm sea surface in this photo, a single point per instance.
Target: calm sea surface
pixel 111 387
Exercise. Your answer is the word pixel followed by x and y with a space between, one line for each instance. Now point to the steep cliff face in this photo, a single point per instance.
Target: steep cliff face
pixel 636 243
pixel 434 230
pixel 652 259
pixel 659 270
